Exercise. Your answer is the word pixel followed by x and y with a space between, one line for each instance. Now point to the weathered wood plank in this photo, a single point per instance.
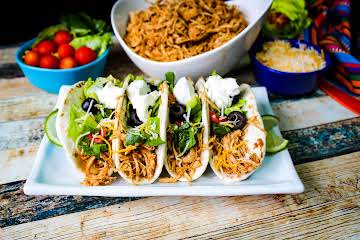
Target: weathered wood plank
pixel 17 87
pixel 27 107
pixel 324 141
pixel 309 112
pixel 16 164
pixel 18 134
pixel 7 55
pixel 308 144
pixel 329 207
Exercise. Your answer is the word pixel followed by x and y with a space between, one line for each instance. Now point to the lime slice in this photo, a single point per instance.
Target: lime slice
pixel 274 142
pixel 270 121
pixel 50 129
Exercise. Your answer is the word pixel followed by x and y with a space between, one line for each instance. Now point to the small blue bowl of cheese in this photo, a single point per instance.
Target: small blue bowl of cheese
pixel 288 67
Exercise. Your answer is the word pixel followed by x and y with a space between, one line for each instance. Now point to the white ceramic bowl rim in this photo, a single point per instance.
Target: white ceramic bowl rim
pixel 201 55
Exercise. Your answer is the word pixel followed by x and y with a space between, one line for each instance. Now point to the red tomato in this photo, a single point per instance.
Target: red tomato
pixel 214 117
pixel 66 50
pixel 62 37
pixel 45 47
pixel 222 119
pixel 49 61
pixel 178 122
pixel 84 55
pixel 102 132
pixel 96 140
pixel 67 62
pixel 32 58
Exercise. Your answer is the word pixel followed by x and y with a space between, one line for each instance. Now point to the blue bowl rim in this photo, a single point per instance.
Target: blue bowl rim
pixel 258 47
pixel 25 46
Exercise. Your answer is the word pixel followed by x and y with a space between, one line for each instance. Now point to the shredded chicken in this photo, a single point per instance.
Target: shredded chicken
pixel 171 30
pixel 230 154
pixel 97 171
pixel 184 166
pixel 137 162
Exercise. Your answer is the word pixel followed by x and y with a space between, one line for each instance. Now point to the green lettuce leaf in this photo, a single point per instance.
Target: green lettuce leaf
pixel 49 32
pixel 149 133
pixel 133 136
pixel 78 123
pixel 236 107
pixel 170 79
pixel 93 150
pixel 185 137
pixel 96 42
pixel 220 130
pixel 296 12
pixel 195 105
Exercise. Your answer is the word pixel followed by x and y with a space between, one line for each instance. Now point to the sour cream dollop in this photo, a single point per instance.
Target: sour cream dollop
pixel 109 94
pixel 184 90
pixel 141 99
pixel 221 90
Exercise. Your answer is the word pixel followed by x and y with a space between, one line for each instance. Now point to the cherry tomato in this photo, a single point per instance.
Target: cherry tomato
pixel 49 61
pixel 62 37
pixel 84 55
pixel 67 62
pixel 102 132
pixel 65 50
pixel 32 58
pixel 214 117
pixel 45 47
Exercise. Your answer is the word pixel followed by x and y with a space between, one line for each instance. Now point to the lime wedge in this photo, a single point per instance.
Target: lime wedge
pixel 50 129
pixel 274 142
pixel 270 121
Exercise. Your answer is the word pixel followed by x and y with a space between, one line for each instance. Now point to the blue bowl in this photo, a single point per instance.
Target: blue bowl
pixel 51 80
pixel 286 83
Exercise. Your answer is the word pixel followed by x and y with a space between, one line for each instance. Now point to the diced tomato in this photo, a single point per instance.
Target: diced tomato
pixel 222 119
pixel 214 117
pixel 178 122
pixel 96 140
pixel 102 132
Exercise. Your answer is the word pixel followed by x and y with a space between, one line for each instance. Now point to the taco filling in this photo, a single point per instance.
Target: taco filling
pixel 91 128
pixel 185 131
pixel 139 131
pixel 233 155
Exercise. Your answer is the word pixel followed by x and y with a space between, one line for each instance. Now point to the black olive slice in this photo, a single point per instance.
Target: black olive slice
pixel 134 119
pixel 90 102
pixel 177 112
pixel 235 99
pixel 238 118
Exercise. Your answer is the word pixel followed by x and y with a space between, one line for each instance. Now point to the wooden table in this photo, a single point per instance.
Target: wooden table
pixel 324 145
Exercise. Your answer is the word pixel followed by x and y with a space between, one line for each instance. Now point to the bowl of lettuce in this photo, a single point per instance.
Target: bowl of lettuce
pixel 86 31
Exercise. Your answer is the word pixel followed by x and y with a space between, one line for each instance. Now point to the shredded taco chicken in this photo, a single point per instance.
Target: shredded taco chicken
pixel 137 161
pixel 183 166
pixel 231 154
pixel 98 171
pixel 171 30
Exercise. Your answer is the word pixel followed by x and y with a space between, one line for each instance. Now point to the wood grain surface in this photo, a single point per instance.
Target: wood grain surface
pixel 330 206
pixel 324 145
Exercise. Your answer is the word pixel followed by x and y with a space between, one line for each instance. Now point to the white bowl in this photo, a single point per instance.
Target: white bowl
pixel 221 59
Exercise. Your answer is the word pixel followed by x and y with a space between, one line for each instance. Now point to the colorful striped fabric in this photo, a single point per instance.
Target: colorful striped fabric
pixel 331 29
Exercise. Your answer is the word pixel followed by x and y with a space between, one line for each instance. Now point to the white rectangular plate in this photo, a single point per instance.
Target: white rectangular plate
pixel 53 174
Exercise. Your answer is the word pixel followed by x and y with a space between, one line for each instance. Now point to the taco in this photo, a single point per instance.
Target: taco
pixel 237 135
pixel 187 138
pixel 85 127
pixel 140 142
